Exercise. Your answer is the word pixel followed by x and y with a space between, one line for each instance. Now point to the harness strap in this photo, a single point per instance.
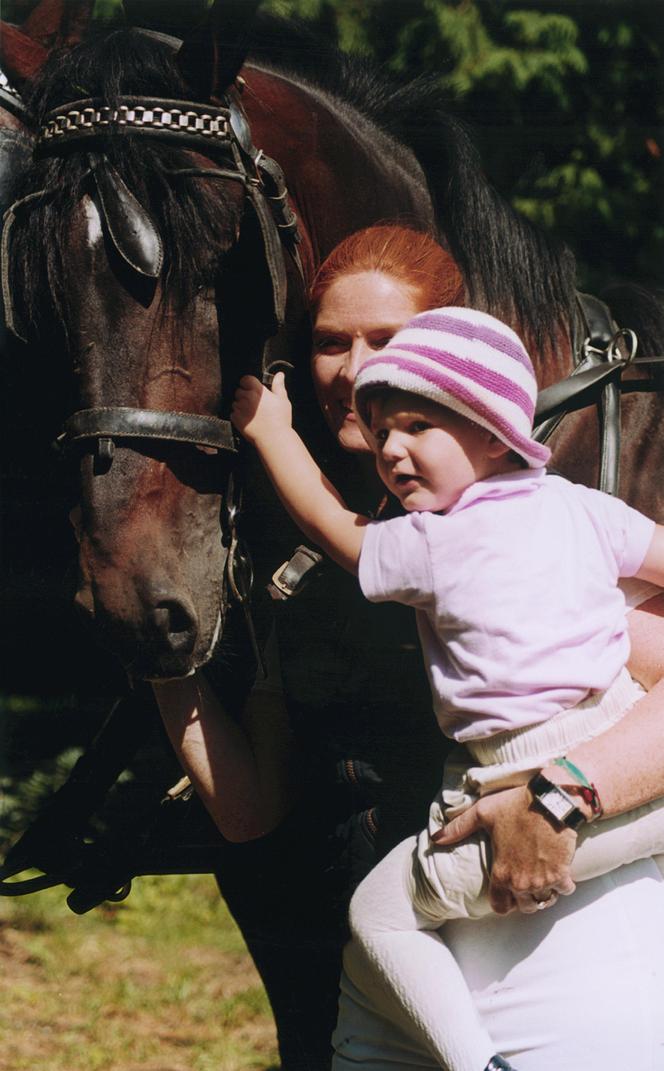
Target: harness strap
pixel 293 575
pixel 12 102
pixel 608 412
pixel 10 98
pixel 274 254
pixel 123 422
pixel 580 389
pixel 595 378
pixel 8 221
pixel 602 341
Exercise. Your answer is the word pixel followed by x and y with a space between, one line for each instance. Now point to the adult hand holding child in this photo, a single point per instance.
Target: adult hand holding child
pixel 530 860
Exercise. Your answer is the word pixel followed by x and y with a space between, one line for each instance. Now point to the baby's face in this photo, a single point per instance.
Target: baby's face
pixel 428 455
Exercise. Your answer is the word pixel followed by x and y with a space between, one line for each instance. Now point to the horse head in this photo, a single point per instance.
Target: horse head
pixel 144 214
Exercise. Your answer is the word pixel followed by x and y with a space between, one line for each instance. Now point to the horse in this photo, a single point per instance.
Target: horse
pixel 166 235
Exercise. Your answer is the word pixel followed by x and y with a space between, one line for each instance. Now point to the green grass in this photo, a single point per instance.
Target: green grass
pixel 159 982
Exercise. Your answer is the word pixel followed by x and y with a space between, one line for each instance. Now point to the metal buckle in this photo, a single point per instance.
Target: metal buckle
pixel 283 591
pixel 292 575
pixel 613 352
pixel 182 790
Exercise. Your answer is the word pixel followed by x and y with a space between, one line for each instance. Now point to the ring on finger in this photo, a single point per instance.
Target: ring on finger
pixel 548 901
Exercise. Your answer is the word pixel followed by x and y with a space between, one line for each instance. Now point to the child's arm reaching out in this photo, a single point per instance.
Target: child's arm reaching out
pixel 264 418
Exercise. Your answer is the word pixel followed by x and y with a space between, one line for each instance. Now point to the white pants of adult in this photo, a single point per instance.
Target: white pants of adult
pixel 410 1000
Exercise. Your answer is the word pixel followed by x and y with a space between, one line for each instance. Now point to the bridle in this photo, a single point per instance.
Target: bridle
pixel 223 133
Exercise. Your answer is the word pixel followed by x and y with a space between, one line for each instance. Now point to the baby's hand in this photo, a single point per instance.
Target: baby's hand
pixel 259 414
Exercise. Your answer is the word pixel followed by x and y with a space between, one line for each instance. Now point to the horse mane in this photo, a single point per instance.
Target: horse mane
pixel 110 65
pixel 511 267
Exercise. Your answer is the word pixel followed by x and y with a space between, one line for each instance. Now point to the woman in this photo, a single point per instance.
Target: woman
pixel 351 689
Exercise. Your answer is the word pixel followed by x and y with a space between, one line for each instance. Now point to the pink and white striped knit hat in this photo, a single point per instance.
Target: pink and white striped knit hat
pixel 467 361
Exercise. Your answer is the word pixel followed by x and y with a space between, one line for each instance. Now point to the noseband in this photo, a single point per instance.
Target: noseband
pixel 104 425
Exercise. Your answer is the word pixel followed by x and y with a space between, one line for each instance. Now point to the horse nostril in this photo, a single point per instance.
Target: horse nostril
pixel 176 623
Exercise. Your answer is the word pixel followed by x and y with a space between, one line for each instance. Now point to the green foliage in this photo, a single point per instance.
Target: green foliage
pixel 525 50
pixel 21 799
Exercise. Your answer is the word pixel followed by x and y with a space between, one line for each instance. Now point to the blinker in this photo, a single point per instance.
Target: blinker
pixel 128 225
pixel 241 129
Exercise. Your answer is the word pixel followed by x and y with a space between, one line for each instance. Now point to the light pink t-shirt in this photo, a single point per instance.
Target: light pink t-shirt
pixel 515 591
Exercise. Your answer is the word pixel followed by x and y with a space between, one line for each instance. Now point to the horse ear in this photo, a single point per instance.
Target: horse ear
pixel 211 56
pixel 52 24
pixel 21 58
pixel 59 23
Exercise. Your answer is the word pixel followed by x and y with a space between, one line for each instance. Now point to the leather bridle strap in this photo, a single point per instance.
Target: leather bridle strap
pixel 10 98
pixel 123 422
pixel 588 385
pixel 602 353
pixel 581 389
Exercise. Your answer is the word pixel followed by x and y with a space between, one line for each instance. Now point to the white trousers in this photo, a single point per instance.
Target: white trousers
pixel 398 966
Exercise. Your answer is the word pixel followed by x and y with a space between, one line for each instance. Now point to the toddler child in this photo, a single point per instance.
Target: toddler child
pixel 513 575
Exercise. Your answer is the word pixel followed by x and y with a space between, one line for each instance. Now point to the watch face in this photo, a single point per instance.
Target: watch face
pixel 555 802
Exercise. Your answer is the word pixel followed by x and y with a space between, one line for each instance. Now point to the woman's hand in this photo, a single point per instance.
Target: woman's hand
pixel 530 859
pixel 259 414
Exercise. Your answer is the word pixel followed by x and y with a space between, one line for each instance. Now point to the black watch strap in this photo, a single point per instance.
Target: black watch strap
pixel 555 803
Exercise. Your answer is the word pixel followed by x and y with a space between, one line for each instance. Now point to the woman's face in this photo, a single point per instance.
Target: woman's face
pixel 357 316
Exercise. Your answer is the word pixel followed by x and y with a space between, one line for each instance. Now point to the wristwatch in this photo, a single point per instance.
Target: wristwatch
pixel 555 803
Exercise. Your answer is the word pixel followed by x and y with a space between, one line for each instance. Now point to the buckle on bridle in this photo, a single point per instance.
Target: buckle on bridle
pixel 293 575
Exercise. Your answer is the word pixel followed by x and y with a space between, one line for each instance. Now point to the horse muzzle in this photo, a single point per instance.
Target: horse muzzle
pixel 161 638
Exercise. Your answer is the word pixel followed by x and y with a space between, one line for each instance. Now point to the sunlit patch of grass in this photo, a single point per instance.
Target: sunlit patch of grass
pixel 159 982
